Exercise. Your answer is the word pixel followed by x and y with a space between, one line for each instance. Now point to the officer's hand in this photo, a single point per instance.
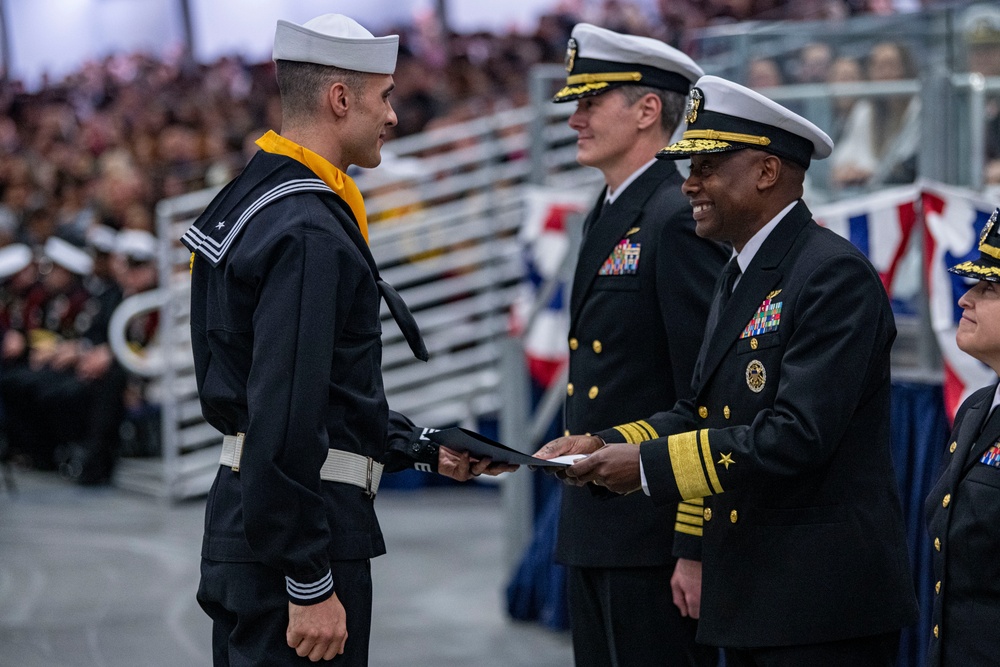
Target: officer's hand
pixel 460 466
pixel 686 587
pixel 613 466
pixel 317 631
pixel 565 446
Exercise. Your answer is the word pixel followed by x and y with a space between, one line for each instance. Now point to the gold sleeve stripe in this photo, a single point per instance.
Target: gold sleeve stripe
pixel 689 509
pixel 692 520
pixel 632 434
pixel 689 530
pixel 637 433
pixel 641 430
pixel 706 452
pixel 642 423
pixel 700 502
pixel 686 463
pixel 624 432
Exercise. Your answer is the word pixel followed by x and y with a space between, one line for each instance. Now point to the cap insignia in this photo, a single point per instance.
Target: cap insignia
pixel 693 104
pixel 988 227
pixel 570 54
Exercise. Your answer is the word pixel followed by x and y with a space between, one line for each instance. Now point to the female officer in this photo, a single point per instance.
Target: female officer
pixel 963 509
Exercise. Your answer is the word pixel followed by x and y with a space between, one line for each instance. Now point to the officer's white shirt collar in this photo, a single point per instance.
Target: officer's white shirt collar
pixel 996 398
pixel 610 197
pixel 757 240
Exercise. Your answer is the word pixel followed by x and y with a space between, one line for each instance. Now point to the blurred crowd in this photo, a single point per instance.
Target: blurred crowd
pixel 84 160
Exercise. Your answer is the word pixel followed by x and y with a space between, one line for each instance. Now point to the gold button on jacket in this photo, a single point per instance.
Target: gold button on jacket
pixel 707 514
pixel 593 392
pixel 946 500
pixel 734 516
pixel 569 389
pixel 598 347
pixel 573 343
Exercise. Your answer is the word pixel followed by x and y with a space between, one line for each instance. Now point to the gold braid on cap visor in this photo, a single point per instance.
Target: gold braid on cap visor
pixel 716 135
pixel 603 77
pixel 585 83
pixel 576 90
pixel 977 270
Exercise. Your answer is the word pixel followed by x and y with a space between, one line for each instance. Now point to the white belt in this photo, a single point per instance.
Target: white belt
pixel 340 466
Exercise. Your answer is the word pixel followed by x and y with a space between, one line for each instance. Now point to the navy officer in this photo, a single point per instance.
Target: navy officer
pixel 963 506
pixel 640 263
pixel 787 434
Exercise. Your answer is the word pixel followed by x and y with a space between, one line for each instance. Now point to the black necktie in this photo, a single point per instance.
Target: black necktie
pixel 729 275
pixel 404 318
pixel 591 220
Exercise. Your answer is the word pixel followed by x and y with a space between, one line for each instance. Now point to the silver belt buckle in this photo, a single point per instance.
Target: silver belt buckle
pixel 368 480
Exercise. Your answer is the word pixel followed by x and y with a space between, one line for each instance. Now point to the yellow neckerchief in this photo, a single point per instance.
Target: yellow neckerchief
pixel 339 182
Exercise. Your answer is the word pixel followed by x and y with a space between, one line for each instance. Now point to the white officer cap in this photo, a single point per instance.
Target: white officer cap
pixel 72 258
pixel 13 258
pixel 136 244
pixel 599 60
pixel 338 41
pixel 724 116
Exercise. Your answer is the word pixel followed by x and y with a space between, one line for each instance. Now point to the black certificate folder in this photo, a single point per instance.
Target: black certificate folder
pixel 480 447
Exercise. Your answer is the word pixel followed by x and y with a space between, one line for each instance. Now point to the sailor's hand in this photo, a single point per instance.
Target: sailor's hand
pixel 318 631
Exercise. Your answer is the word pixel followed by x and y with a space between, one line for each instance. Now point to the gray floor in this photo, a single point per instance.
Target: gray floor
pixel 107 578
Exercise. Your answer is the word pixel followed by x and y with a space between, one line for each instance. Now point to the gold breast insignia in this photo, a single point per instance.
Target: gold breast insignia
pixel 756 376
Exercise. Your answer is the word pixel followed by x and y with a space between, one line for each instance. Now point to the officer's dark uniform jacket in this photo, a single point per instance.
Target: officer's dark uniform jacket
pixel 286 336
pixel 962 512
pixel 787 438
pixel 637 316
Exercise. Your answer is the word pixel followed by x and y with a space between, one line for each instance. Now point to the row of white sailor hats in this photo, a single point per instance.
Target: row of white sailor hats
pixel 133 244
